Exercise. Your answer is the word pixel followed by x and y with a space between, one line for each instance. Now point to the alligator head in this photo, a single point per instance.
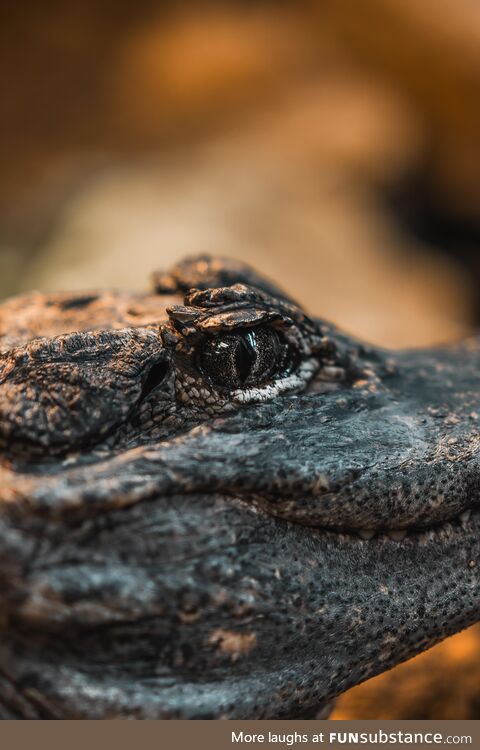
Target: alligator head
pixel 213 506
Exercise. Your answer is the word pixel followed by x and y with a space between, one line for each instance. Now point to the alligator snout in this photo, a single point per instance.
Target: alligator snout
pixel 212 506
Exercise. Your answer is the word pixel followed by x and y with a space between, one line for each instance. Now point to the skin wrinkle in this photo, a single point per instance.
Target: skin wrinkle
pixel 171 548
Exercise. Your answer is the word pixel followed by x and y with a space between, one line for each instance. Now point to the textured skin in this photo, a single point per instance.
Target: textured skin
pixel 173 548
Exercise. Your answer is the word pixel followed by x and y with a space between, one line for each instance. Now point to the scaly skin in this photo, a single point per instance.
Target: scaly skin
pixel 192 530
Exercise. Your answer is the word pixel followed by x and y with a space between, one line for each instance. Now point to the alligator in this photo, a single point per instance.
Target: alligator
pixel 214 506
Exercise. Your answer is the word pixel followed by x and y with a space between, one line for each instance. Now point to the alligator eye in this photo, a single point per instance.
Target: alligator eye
pixel 244 359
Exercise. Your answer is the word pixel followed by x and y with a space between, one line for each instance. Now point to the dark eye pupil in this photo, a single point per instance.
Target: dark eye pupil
pixel 243 359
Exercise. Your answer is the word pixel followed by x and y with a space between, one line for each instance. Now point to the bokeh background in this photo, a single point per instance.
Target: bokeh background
pixel 333 144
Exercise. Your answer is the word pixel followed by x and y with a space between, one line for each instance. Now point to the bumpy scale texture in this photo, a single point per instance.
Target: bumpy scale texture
pixel 212 506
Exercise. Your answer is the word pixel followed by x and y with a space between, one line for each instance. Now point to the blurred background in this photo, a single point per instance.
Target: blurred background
pixel 334 145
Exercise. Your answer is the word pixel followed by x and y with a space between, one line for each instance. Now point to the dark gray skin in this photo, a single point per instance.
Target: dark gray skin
pixel 192 528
